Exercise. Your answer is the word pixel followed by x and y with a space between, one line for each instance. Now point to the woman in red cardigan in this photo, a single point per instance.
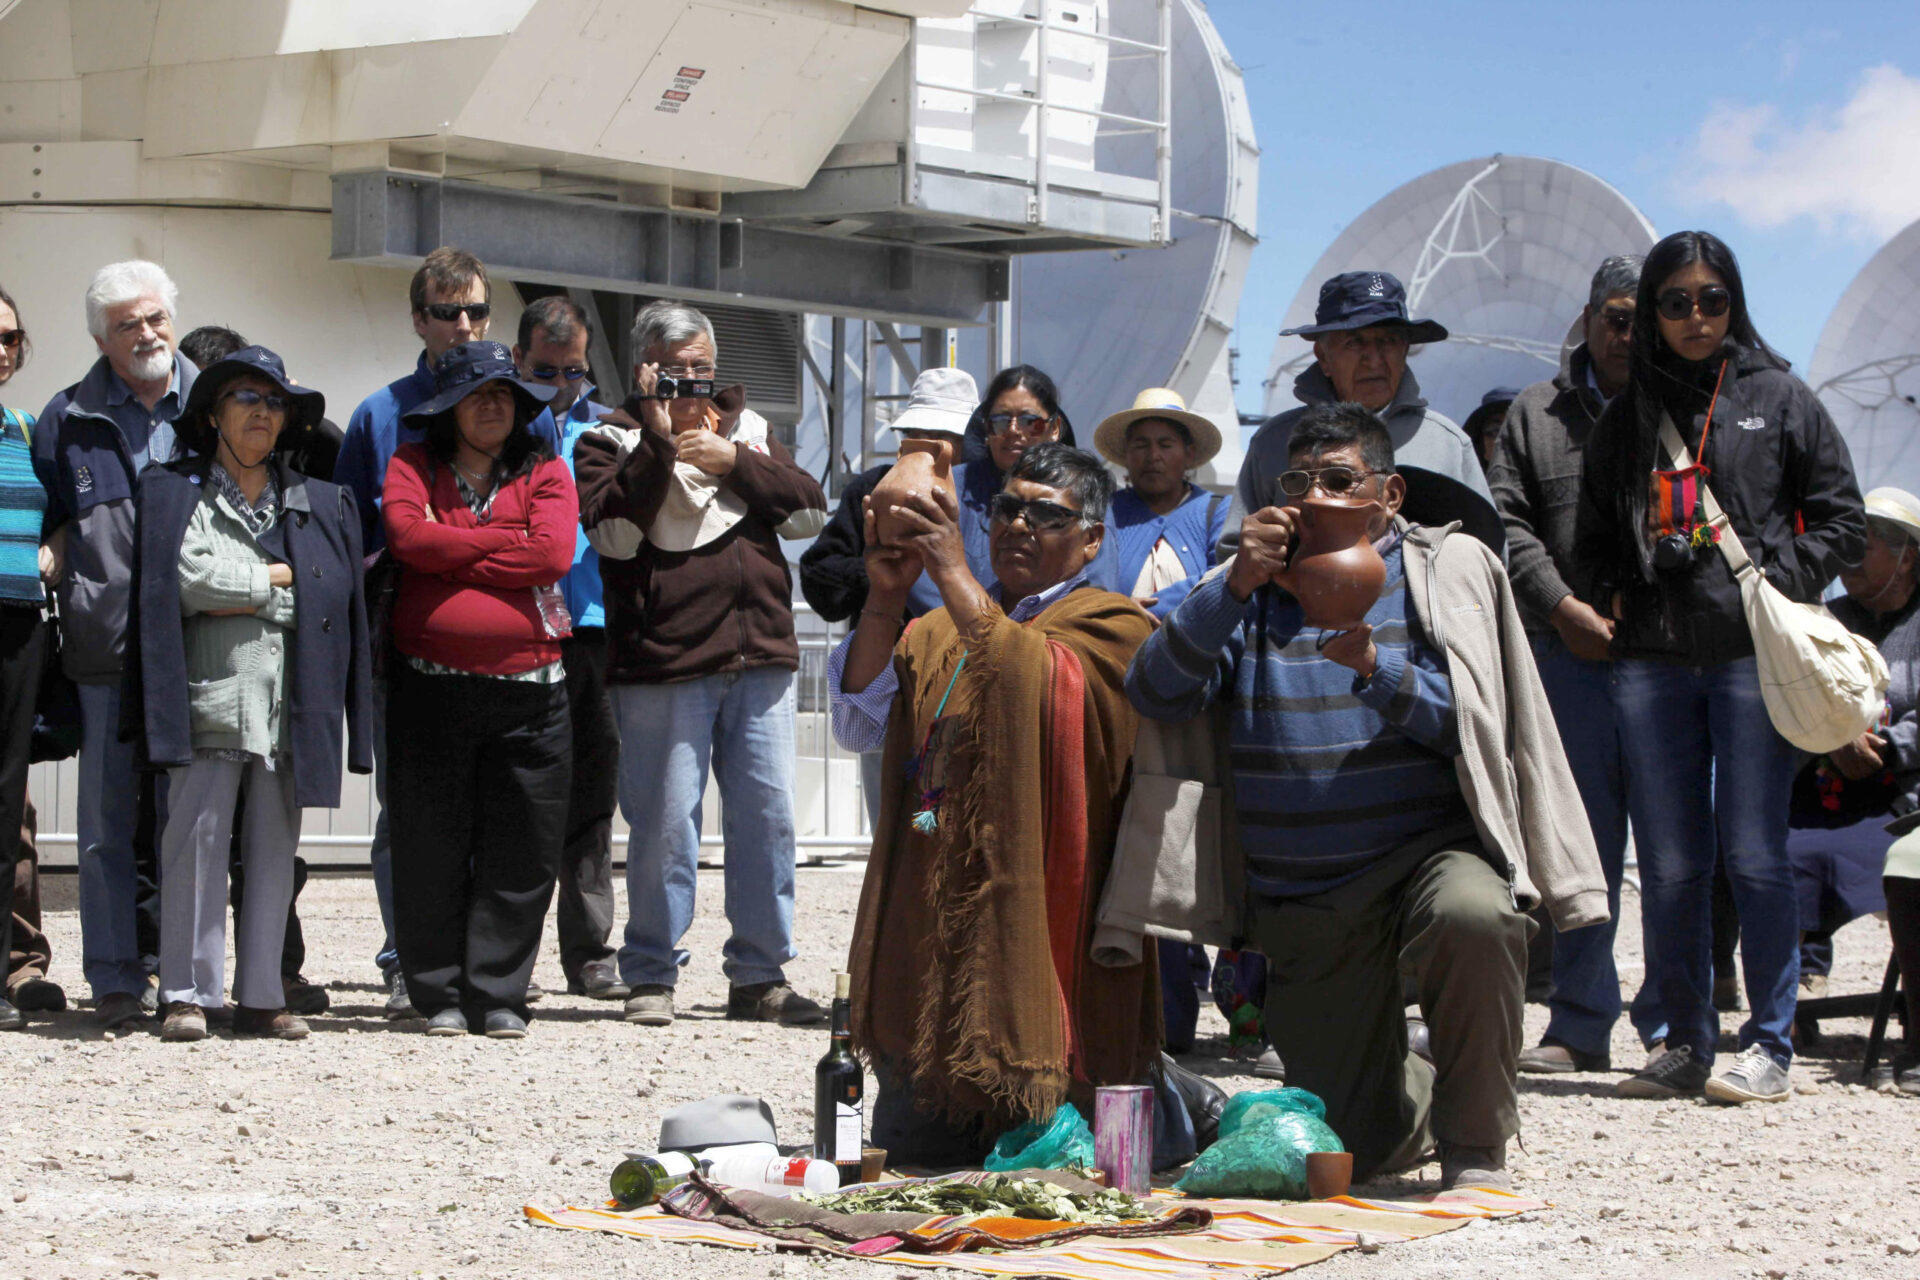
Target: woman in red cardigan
pixel 481 517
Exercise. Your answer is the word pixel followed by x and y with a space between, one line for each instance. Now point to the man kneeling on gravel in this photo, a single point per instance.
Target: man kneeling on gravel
pixel 1403 800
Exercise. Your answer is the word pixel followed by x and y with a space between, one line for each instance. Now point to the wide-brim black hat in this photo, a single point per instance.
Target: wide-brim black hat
pixel 460 371
pixel 304 406
pixel 1361 300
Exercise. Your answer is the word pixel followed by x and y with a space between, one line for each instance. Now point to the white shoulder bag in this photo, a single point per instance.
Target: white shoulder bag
pixel 1823 685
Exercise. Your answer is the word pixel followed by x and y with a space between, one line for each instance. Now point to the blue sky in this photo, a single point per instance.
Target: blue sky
pixel 1790 129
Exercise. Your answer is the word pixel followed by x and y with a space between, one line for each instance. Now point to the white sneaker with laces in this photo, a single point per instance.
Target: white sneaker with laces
pixel 1753 1077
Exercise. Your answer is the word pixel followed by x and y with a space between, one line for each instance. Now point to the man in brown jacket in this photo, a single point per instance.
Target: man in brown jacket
pixel 686 496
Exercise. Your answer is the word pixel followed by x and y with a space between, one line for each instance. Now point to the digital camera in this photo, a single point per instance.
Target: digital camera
pixel 1673 553
pixel 667 387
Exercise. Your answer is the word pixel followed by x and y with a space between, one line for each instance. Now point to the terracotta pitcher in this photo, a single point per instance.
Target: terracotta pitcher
pixel 924 465
pixel 1334 572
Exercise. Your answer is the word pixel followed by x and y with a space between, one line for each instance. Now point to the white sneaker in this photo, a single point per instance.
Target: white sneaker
pixel 1753 1077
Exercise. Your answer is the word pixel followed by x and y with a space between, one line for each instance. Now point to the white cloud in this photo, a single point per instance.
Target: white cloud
pixel 1852 170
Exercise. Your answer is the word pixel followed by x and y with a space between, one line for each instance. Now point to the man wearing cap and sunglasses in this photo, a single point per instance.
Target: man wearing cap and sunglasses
pixel 452 303
pixel 1361 339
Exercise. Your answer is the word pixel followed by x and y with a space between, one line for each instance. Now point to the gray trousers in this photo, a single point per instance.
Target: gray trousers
pixel 193 882
pixel 1444 923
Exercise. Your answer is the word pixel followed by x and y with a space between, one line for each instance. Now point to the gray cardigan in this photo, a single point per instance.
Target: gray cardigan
pixel 236 663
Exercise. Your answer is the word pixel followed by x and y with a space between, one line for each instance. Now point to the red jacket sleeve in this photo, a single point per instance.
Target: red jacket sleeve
pixel 542 553
pixel 422 544
pixel 772 484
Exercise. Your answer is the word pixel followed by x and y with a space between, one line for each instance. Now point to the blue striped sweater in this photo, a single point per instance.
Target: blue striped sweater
pixel 23 502
pixel 1327 779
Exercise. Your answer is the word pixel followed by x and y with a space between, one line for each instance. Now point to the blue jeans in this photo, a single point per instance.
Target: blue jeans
pixel 108 804
pixel 1707 761
pixel 742 722
pixel 380 851
pixel 1586 997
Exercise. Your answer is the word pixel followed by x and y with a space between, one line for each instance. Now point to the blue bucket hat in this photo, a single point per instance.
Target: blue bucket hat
pixel 460 371
pixel 304 405
pixel 1362 299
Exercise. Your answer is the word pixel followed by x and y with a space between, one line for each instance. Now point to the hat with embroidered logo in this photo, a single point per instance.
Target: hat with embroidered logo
pixel 1361 300
pixel 1110 437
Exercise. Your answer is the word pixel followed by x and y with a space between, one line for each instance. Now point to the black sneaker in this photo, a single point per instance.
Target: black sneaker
pixel 1674 1074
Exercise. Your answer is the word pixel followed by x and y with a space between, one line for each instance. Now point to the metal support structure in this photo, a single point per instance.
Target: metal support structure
pixel 901 356
pixel 392 219
pixel 933 347
pixel 1875 384
pixel 1164 142
pixel 837 408
pixel 610 375
pixel 1463 215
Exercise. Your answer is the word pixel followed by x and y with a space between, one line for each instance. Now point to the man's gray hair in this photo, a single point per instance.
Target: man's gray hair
pixel 119 282
pixel 668 324
pixel 1618 274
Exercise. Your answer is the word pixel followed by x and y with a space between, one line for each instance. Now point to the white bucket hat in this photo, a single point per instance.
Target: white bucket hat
pixel 943 400
pixel 1110 437
pixel 1896 507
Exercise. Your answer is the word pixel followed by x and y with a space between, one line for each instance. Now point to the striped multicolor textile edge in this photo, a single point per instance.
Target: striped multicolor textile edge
pixel 1249 1237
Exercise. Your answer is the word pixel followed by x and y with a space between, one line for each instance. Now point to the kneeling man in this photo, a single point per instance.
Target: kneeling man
pixel 1403 800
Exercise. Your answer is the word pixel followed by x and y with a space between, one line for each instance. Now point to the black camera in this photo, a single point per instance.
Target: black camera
pixel 1673 553
pixel 667 387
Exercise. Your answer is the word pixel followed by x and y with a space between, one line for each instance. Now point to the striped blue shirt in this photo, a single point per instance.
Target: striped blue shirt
pixel 23 502
pixel 1328 779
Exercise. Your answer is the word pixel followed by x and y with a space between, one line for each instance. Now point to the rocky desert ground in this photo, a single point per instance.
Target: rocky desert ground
pixel 371 1150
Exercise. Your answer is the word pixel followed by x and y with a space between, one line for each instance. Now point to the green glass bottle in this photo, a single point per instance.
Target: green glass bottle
pixel 641 1180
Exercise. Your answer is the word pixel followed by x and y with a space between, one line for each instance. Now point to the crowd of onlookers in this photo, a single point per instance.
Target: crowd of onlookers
pixel 517 606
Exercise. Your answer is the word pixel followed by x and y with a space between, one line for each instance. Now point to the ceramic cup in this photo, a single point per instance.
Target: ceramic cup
pixel 1329 1173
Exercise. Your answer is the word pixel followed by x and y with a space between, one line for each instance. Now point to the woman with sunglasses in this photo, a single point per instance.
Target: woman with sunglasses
pixel 1710 774
pixel 249 585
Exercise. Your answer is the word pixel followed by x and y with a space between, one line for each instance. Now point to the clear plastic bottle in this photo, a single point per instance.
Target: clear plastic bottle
pixel 759 1166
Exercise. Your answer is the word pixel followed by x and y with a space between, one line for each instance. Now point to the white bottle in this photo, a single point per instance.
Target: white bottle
pixel 759 1166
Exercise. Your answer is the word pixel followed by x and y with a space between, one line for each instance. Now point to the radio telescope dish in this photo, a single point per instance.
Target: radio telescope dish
pixel 1499 250
pixel 1107 325
pixel 1866 368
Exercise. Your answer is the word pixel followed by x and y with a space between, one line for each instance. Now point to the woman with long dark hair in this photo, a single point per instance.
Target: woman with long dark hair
pixel 1709 771
pixel 482 518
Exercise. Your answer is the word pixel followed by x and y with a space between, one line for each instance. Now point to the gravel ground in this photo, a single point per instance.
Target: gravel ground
pixel 368 1150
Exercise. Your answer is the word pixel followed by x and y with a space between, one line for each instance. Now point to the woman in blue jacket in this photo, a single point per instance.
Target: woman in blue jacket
pixel 1163 526
pixel 248 640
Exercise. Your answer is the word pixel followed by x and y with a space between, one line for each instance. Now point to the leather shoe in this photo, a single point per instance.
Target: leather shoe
pixel 505 1024
pixel 275 1024
pixel 37 995
pixel 1551 1058
pixel 598 980
pixel 773 1002
pixel 304 997
pixel 11 1019
pixel 1204 1100
pixel 447 1022
pixel 118 1008
pixel 1420 1038
pixel 1462 1167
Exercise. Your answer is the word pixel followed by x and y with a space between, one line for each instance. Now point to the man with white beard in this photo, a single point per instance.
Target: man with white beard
pixel 92 442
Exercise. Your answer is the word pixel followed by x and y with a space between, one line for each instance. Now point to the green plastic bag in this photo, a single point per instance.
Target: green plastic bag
pixel 1265 1139
pixel 1063 1142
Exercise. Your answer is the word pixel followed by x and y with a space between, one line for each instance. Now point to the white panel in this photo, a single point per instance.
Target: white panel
pixel 113 105
pixel 39 110
pixel 406 92
pixel 36 43
pixel 238 105
pixel 113 35
pixel 213 30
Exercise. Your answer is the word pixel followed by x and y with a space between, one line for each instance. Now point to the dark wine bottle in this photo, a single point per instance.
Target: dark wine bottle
pixel 838 1090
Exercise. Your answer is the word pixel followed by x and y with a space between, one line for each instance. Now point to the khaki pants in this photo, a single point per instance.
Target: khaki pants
pixel 1442 921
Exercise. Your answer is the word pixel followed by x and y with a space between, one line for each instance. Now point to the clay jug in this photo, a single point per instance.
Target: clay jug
pixel 1334 572
pixel 924 465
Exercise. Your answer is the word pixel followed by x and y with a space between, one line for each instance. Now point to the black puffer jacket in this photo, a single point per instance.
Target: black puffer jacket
pixel 1775 456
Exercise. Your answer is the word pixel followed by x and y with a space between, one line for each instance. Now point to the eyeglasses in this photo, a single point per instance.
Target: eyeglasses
pixel 1331 480
pixel 1621 322
pixel 1001 423
pixel 448 312
pixel 1678 304
pixel 1381 338
pixel 12 338
pixel 248 398
pixel 1041 516
pixel 547 373
pixel 698 372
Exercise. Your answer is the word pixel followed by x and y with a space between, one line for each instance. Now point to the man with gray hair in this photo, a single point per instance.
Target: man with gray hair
pixel 1535 476
pixel 93 441
pixel 686 495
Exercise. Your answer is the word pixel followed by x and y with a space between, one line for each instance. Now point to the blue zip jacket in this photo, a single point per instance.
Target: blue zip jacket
pixel 376 430
pixel 1192 529
pixel 581 586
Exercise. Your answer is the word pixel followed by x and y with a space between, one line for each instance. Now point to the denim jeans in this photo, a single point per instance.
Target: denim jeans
pixel 380 851
pixel 1706 760
pixel 108 808
pixel 741 722
pixel 1586 997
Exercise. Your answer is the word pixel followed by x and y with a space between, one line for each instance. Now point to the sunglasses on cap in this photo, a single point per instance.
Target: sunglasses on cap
pixel 1041 516
pixel 248 398
pixel 1678 304
pixel 1331 480
pixel 11 338
pixel 547 372
pixel 448 312
pixel 1001 423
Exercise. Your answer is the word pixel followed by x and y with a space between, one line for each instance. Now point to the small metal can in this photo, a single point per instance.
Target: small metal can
pixel 1123 1136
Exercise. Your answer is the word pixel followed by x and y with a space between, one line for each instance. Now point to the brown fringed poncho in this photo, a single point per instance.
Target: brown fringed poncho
pixel 970 959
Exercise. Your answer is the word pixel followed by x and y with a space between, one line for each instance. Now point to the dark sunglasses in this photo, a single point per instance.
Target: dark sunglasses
pixel 248 398
pixel 1000 423
pixel 1041 516
pixel 547 373
pixel 11 338
pixel 1678 304
pixel 1333 480
pixel 1621 322
pixel 448 312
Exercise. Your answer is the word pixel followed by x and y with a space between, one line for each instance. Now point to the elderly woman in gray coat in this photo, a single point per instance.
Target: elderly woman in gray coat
pixel 248 585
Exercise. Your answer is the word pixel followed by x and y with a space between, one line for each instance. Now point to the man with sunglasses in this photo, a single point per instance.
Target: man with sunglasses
pixel 452 303
pixel 1362 337
pixel 92 443
pixel 1401 799
pixel 1007 740
pixel 555 334
pixel 1536 482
